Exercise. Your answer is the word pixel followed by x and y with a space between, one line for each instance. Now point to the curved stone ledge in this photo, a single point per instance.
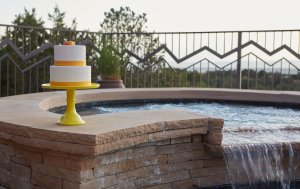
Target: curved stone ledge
pixel 24 122
pixel 275 97
pixel 110 133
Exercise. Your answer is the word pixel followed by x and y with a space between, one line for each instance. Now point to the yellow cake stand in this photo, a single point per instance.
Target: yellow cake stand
pixel 70 117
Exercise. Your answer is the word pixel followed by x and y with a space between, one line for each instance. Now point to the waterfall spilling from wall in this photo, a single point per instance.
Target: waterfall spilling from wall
pixel 264 165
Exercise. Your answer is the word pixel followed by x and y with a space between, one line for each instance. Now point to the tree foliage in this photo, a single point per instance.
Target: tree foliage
pixel 28 18
pixel 58 19
pixel 129 30
pixel 123 20
pixel 29 38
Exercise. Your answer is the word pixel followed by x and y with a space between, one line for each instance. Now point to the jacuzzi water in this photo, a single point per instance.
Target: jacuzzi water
pixel 266 124
pixel 234 115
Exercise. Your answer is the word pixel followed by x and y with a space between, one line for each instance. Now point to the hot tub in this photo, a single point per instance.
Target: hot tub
pixel 138 149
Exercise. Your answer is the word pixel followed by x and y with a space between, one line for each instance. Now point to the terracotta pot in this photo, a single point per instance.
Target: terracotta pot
pixel 107 84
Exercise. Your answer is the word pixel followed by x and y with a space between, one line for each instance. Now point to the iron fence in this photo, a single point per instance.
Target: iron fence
pixel 265 59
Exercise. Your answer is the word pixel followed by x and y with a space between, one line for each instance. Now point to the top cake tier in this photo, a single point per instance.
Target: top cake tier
pixel 69 55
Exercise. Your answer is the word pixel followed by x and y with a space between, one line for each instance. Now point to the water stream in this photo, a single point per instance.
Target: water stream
pixel 254 166
pixel 262 158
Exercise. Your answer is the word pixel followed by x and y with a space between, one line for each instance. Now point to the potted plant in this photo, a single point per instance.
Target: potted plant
pixel 109 66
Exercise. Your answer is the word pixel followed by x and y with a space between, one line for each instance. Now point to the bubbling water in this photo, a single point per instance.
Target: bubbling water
pixel 236 116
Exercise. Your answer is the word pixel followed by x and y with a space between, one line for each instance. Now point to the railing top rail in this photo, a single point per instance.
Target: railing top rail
pixel 127 33
pixel 44 28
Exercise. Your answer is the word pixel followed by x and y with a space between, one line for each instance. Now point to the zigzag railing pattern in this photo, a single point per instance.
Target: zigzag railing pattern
pixel 208 49
pixel 207 61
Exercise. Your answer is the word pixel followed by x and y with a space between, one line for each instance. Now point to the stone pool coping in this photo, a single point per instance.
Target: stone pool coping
pixel 24 119
pixel 239 95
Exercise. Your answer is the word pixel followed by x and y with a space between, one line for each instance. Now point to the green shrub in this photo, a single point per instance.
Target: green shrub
pixel 109 62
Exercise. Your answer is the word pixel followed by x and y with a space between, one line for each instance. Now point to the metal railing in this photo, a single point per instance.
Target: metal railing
pixel 263 59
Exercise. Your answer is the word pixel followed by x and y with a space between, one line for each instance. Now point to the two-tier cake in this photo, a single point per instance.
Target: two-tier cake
pixel 70 66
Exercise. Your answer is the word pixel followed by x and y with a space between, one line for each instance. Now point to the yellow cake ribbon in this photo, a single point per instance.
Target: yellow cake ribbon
pixel 70 84
pixel 69 63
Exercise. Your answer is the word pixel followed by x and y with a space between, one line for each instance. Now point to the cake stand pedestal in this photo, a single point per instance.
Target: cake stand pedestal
pixel 70 117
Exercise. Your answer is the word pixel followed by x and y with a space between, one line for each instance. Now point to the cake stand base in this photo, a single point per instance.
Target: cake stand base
pixel 70 117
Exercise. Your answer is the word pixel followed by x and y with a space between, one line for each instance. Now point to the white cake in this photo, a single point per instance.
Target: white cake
pixel 70 66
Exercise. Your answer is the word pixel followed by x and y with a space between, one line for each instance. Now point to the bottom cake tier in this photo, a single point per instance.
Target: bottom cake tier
pixel 70 75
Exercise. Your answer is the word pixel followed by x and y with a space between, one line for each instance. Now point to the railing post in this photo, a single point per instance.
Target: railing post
pixel 239 57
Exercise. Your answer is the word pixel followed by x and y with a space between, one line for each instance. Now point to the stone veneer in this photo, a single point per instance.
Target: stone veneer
pixel 143 149
pixel 177 157
pixel 172 154
pixel 154 149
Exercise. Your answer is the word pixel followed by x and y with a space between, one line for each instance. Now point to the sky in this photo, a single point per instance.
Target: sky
pixel 171 15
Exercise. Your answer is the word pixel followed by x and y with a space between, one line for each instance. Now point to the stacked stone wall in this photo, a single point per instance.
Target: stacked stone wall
pixel 174 162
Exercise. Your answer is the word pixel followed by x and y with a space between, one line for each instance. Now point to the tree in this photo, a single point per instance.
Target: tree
pixel 58 21
pixel 128 31
pixel 26 39
pixel 57 18
pixel 30 38
pixel 123 20
pixel 28 18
